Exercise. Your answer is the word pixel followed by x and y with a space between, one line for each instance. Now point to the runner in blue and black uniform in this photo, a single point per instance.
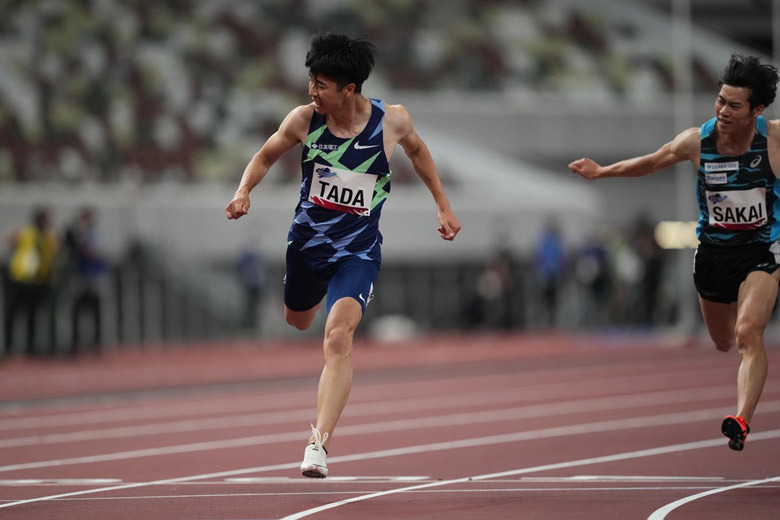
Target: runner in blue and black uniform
pixel 334 243
pixel 736 273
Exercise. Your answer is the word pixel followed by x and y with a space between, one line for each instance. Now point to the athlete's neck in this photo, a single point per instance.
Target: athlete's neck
pixel 351 119
pixel 736 143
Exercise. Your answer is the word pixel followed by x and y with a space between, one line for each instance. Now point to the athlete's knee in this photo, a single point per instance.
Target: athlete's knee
pixel 298 324
pixel 749 336
pixel 338 342
pixel 299 320
pixel 723 342
pixel 723 346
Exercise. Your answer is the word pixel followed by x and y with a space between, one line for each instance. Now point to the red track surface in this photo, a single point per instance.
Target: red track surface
pixel 548 427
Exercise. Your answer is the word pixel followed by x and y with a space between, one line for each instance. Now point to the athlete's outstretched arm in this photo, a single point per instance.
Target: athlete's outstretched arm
pixel 415 148
pixel 685 146
pixel 292 131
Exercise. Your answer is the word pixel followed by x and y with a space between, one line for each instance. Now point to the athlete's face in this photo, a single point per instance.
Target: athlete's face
pixel 326 94
pixel 733 111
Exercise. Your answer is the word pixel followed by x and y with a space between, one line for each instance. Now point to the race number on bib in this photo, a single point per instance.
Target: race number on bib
pixel 342 190
pixel 738 209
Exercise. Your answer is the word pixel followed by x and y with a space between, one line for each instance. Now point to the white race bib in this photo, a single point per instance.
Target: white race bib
pixel 740 209
pixel 342 190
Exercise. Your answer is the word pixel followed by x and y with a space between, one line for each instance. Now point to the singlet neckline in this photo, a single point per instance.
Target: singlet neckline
pixel 758 132
pixel 362 130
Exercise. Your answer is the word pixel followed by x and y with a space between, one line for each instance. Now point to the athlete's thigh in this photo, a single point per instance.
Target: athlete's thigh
pixel 345 314
pixel 305 282
pixel 353 278
pixel 300 319
pixel 757 297
pixel 720 319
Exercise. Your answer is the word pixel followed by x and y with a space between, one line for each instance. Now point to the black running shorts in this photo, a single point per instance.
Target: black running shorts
pixel 718 271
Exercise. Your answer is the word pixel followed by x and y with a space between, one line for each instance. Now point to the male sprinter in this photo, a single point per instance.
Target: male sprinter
pixel 737 155
pixel 334 241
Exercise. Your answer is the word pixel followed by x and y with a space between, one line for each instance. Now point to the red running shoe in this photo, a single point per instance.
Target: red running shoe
pixel 736 429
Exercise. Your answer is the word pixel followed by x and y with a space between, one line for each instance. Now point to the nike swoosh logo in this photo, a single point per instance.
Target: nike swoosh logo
pixel 358 146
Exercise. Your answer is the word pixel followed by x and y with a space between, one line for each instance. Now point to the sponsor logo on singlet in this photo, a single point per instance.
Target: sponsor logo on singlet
pixel 716 178
pixel 359 146
pixel 721 166
pixel 329 147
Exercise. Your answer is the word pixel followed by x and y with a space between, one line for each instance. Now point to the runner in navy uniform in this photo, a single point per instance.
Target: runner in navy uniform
pixel 334 244
pixel 736 274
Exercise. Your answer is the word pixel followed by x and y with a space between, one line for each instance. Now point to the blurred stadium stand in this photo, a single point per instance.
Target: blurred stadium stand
pixel 150 110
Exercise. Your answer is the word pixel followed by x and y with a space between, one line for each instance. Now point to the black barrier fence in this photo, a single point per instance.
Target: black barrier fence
pixel 149 299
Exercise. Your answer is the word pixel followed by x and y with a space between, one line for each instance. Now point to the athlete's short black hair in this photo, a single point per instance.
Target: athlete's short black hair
pixel 749 72
pixel 340 58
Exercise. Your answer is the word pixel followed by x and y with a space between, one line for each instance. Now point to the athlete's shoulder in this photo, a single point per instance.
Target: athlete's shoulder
pixel 301 113
pixel 694 132
pixel 296 123
pixel 686 145
pixel 398 120
pixel 396 111
pixel 707 128
pixel 772 128
pixel 690 137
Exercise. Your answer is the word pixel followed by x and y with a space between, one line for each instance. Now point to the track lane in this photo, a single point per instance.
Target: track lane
pixel 470 417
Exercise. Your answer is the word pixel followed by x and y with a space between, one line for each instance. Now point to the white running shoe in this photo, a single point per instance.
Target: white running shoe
pixel 315 463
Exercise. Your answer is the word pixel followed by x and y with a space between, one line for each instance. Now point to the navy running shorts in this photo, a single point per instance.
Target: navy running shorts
pixel 718 271
pixel 309 279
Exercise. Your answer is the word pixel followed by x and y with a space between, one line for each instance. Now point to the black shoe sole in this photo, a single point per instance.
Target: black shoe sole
pixel 732 429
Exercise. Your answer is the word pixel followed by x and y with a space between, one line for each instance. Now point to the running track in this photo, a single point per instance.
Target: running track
pixel 464 427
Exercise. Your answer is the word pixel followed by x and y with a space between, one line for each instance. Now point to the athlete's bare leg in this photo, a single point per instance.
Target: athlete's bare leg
pixel 336 379
pixel 721 321
pixel 757 296
pixel 301 320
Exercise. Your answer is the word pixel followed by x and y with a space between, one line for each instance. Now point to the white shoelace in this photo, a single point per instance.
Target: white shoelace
pixel 318 438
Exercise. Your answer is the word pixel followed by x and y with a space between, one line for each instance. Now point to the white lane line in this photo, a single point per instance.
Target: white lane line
pixel 329 480
pixel 107 410
pixel 136 411
pixel 60 481
pixel 547 467
pixel 333 492
pixel 234 403
pixel 387 407
pixel 525 412
pixel 512 394
pixel 661 513
pixel 422 423
pixel 642 478
pixel 579 429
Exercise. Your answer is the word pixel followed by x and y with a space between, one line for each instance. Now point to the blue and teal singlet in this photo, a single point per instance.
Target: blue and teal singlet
pixel 737 196
pixel 344 186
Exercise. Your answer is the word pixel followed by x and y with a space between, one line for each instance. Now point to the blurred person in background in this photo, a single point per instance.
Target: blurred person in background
pixel 550 269
pixel 30 278
pixel 334 243
pixel 651 256
pixel 592 272
pixel 737 155
pixel 252 277
pixel 628 273
pixel 87 267
pixel 492 306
